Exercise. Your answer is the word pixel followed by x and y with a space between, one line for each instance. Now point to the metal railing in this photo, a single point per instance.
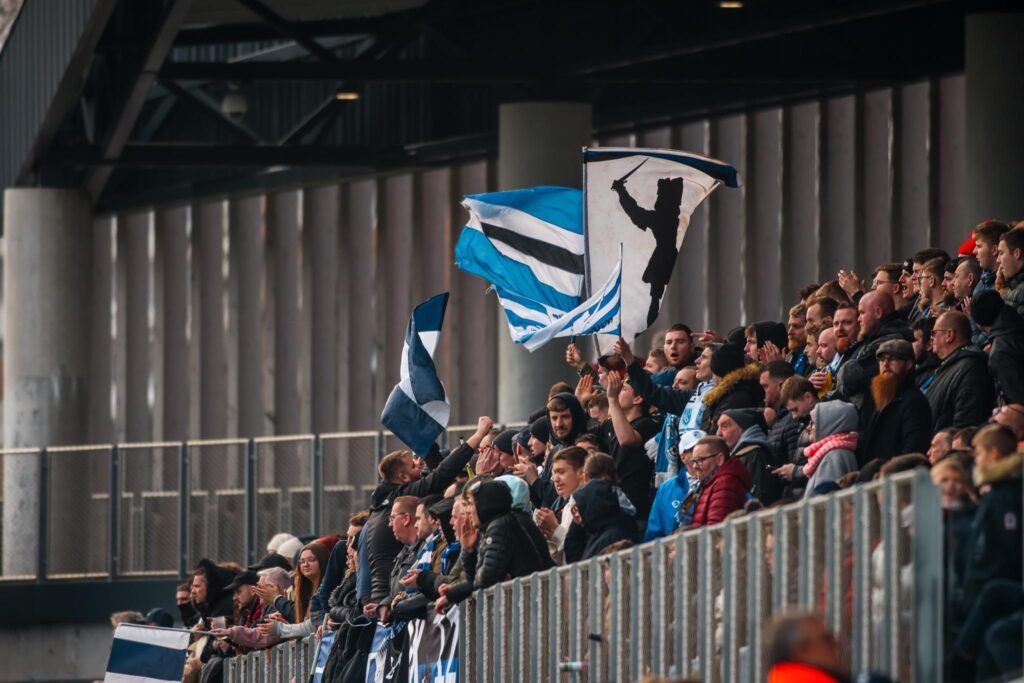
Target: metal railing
pixel 156 509
pixel 697 603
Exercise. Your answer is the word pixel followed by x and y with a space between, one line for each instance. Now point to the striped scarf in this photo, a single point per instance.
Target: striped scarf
pixel 817 450
pixel 448 555
pixel 426 557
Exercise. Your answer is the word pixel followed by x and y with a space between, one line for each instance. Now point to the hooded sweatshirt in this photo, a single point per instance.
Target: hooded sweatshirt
pixel 831 418
pixel 754 450
pixel 604 522
pixel 663 519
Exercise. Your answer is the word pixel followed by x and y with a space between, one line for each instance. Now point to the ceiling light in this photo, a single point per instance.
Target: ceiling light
pixel 346 95
pixel 730 4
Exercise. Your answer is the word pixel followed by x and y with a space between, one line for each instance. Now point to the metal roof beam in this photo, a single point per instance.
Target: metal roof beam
pixel 158 46
pixel 289 30
pixel 260 32
pixel 199 155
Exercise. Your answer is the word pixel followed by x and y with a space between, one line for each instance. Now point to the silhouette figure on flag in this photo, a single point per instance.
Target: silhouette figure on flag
pixel 663 222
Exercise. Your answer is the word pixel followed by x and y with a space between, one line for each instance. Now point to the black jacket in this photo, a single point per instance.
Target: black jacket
pixel 665 399
pixel 903 426
pixel 784 436
pixel 996 533
pixel 962 393
pixel 1006 355
pixel 503 550
pixel 1014 295
pixel 860 365
pixel 536 536
pixel 381 545
pixel 741 388
pixel 542 491
pixel 219 601
pixel 604 522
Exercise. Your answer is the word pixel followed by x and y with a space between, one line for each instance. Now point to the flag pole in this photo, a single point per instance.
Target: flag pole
pixel 165 628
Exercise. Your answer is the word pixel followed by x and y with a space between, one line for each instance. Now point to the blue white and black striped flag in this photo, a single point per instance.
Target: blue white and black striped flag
pixel 418 409
pixel 600 314
pixel 143 654
pixel 527 242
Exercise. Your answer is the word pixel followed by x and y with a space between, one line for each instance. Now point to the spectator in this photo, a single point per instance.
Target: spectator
pixel 126 617
pixel 277 540
pixel 785 429
pixel 929 287
pixel 566 421
pixel 834 443
pixel 801 649
pixel 743 430
pixel 966 279
pixel 900 419
pixel 688 405
pixel 957 514
pixel 591 443
pixel 941 444
pixel 1012 417
pixel 846 329
pixel 1011 267
pixel 723 482
pixel 626 433
pixel 665 514
pixel 159 617
pixel 986 249
pixel 312 564
pixel 820 311
pixel 1005 332
pixel 402 475
pixel 962 439
pixel 878 323
pixel 554 522
pixel 602 466
pixel 656 362
pixel 686 379
pixel 767 337
pixel 186 608
pixel 209 591
pixel 737 384
pixel 521 510
pixel 887 281
pixel 824 377
pixel 497 549
pixel 796 338
pixel 597 408
pixel 962 393
pixel 598 521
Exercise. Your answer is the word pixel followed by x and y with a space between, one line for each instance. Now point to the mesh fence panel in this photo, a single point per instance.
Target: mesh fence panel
pixel 217 501
pixel 148 520
pixel 284 497
pixel 77 515
pixel 350 476
pixel 904 590
pixel 14 461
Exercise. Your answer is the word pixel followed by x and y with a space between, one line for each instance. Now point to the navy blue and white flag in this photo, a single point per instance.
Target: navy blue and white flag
pixel 527 242
pixel 418 409
pixel 642 198
pixel 143 654
pixel 600 314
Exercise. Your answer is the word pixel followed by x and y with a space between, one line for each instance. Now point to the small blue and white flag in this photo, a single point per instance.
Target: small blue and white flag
pixel 600 314
pixel 527 242
pixel 418 409
pixel 144 654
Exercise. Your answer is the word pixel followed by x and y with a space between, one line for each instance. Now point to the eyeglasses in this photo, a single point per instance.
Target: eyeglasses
pixel 698 461
pixel 395 515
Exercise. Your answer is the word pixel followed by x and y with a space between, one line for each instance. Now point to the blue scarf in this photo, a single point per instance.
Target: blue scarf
pixel 450 551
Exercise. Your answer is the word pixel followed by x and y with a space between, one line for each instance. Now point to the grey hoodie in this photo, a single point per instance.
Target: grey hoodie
pixel 832 417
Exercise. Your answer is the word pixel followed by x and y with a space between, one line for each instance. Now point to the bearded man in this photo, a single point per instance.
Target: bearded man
pixel 900 419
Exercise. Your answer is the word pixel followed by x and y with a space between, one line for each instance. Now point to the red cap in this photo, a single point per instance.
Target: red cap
pixel 967 248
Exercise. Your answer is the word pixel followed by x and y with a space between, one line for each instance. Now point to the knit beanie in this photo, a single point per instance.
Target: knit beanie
pixel 503 441
pixel 985 307
pixel 747 417
pixel 771 331
pixel 540 430
pixel 726 358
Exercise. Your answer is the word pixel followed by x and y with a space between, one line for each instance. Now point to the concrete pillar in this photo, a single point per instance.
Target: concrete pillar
pixel 539 143
pixel 209 236
pixel 246 228
pixel 321 222
pixel 172 246
pixel 765 299
pixel 47 279
pixel 993 55
pixel 691 268
pixel 134 231
pixel 359 268
pixel 727 272
pixel 800 196
pixel 101 371
pixel 283 223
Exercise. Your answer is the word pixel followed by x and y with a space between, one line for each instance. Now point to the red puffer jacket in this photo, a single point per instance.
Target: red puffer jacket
pixel 725 491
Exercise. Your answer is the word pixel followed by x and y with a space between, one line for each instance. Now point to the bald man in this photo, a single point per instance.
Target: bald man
pixel 879 322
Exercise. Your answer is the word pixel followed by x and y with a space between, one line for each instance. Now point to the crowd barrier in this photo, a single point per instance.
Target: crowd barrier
pixel 698 603
pixel 156 509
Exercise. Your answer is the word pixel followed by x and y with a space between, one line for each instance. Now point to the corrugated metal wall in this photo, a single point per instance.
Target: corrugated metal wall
pixel 286 312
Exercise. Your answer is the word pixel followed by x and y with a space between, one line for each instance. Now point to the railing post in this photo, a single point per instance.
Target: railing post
pixel 316 486
pixel 114 511
pixel 928 579
pixel 44 510
pixel 250 501
pixel 184 496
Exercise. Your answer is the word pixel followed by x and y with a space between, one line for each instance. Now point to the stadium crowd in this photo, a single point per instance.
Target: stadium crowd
pixel 922 366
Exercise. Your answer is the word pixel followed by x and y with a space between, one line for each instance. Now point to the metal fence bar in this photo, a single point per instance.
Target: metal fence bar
pixel 251 466
pixel 535 628
pixel 44 502
pixel 861 581
pixel 113 523
pixel 888 548
pixel 928 580
pixel 316 481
